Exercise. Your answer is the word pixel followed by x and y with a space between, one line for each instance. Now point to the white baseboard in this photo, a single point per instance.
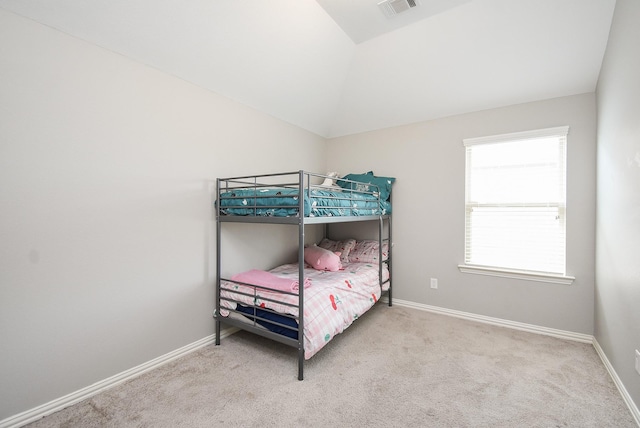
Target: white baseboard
pixel 562 334
pixel 53 406
pixel 623 391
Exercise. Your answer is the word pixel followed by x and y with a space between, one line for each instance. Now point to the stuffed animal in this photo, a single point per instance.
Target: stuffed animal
pixel 330 181
pixel 321 259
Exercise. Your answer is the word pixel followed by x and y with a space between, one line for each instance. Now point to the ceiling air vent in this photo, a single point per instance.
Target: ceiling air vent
pixel 394 7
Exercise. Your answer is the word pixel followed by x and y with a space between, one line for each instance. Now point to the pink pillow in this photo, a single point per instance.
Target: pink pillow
pixel 342 246
pixel 367 251
pixel 321 259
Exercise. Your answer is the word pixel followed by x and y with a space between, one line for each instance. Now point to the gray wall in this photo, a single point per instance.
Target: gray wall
pixel 106 246
pixel 428 160
pixel 617 303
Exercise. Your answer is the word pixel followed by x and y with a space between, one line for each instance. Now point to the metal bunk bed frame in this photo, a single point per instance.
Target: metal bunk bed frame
pixel 303 184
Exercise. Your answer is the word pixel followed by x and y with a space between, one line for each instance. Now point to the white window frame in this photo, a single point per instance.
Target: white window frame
pixel 467 267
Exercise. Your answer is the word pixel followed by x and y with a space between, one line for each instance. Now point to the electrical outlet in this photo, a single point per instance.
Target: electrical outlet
pixel 434 282
pixel 638 361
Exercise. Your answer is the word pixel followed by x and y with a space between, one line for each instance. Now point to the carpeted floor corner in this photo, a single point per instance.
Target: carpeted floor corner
pixel 393 367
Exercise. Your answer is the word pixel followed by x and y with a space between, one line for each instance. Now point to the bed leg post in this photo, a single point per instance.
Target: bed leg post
pixel 300 364
pixel 217 330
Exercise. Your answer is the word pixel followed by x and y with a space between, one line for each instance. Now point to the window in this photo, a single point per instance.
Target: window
pixel 515 208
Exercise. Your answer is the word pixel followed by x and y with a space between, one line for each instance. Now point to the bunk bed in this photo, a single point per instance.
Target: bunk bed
pixel 307 303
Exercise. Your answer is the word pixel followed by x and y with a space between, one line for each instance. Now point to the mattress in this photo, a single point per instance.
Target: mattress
pixel 332 302
pixel 284 202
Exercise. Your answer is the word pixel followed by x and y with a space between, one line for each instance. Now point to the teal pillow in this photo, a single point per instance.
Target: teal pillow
pixel 355 177
pixel 383 183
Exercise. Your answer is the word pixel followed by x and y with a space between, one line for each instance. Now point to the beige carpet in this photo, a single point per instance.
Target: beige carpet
pixel 395 367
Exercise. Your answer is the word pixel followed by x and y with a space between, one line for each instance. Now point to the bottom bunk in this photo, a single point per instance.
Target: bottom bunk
pixel 268 303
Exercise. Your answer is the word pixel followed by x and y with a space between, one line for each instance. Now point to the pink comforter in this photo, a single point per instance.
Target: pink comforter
pixel 331 303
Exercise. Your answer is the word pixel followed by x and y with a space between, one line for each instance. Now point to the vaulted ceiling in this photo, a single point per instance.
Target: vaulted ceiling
pixel 337 67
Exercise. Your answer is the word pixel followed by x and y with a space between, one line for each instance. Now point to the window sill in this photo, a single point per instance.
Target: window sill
pixel 517 274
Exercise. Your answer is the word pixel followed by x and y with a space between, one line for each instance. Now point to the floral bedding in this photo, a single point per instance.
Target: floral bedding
pixel 331 304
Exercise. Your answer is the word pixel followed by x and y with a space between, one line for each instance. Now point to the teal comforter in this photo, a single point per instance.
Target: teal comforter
pixel 284 202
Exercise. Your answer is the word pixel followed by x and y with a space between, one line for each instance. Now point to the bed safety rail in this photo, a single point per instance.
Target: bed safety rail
pixel 277 195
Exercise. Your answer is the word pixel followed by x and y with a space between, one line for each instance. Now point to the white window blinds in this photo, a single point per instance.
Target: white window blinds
pixel 515 201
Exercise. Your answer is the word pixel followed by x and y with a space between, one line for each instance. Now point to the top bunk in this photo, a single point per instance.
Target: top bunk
pixel 321 198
